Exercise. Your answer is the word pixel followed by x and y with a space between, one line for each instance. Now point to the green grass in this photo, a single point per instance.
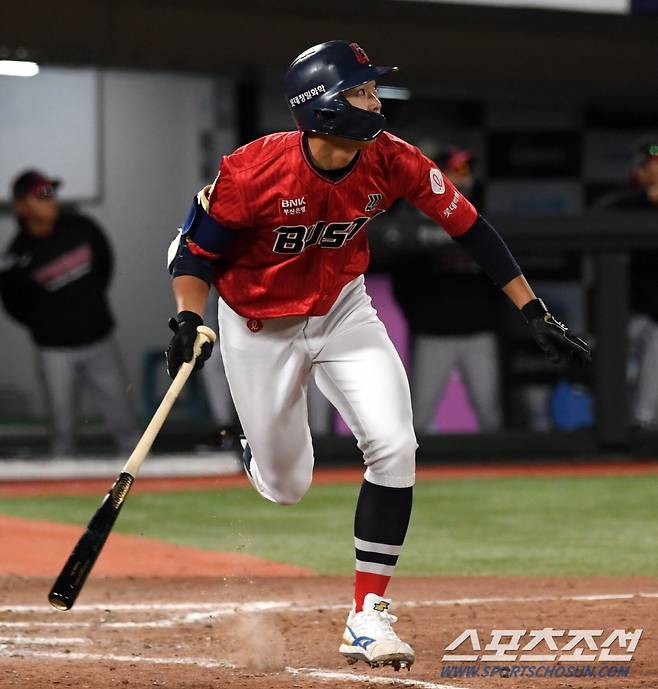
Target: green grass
pixel 550 526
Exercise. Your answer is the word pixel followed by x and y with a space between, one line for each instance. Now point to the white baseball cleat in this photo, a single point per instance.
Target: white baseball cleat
pixel 369 636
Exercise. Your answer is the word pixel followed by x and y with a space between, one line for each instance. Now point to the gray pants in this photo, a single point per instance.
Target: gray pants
pixel 217 390
pixel 434 358
pixel 98 366
pixel 643 345
pixel 213 376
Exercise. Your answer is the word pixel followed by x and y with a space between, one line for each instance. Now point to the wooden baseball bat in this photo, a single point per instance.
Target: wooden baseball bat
pixel 71 579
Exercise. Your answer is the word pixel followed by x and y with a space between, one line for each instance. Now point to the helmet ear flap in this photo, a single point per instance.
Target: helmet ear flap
pixel 333 111
pixel 327 119
pixel 326 114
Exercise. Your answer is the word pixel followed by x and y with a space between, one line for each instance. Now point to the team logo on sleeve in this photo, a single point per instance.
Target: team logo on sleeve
pixel 437 181
pixel 373 202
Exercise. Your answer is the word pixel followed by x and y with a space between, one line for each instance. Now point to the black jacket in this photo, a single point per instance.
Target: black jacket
pixel 644 262
pixel 56 285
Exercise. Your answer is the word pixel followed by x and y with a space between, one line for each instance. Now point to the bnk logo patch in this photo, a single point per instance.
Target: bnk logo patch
pixel 295 206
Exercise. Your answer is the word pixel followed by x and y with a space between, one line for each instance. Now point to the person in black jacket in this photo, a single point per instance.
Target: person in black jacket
pixel 54 281
pixel 641 194
pixel 451 308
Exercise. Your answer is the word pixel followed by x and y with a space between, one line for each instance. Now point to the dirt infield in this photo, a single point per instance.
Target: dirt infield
pixel 40 548
pixel 270 633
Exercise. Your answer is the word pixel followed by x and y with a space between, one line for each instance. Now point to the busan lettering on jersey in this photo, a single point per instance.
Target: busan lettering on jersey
pixel 293 239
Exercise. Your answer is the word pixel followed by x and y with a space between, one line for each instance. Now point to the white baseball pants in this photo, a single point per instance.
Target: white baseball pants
pixel 355 366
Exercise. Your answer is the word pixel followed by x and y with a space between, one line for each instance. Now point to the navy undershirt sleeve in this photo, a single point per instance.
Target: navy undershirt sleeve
pixel 487 248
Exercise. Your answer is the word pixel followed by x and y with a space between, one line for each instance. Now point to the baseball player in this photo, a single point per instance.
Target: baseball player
pixel 282 234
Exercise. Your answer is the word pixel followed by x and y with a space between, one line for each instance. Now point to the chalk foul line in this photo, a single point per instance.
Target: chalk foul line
pixel 317 673
pixel 202 610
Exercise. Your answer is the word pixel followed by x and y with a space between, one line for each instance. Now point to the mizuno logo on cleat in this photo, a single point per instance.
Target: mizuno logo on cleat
pixel 363 642
pixel 360 641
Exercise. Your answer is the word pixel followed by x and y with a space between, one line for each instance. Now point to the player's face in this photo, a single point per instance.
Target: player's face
pixel 652 171
pixel 364 97
pixel 647 174
pixel 40 212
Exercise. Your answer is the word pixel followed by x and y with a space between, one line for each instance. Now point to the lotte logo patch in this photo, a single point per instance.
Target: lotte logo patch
pixel 254 324
pixel 437 182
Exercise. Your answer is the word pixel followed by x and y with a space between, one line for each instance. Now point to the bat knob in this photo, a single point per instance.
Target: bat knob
pixel 208 333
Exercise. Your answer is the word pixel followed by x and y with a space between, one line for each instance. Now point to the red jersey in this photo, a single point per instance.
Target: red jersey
pixel 303 236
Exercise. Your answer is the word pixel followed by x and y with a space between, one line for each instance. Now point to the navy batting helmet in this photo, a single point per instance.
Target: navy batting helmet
pixel 314 84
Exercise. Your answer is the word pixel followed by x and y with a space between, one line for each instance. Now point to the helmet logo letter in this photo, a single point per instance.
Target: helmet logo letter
pixel 437 181
pixel 360 53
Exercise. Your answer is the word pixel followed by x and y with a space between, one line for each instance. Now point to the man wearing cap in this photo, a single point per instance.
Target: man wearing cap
pixel 642 191
pixel 641 194
pixel 54 280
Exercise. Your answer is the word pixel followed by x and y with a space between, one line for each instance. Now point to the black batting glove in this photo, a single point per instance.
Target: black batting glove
pixel 181 346
pixel 553 338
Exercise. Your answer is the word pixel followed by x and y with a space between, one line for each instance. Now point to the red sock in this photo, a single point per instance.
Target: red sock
pixel 365 582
